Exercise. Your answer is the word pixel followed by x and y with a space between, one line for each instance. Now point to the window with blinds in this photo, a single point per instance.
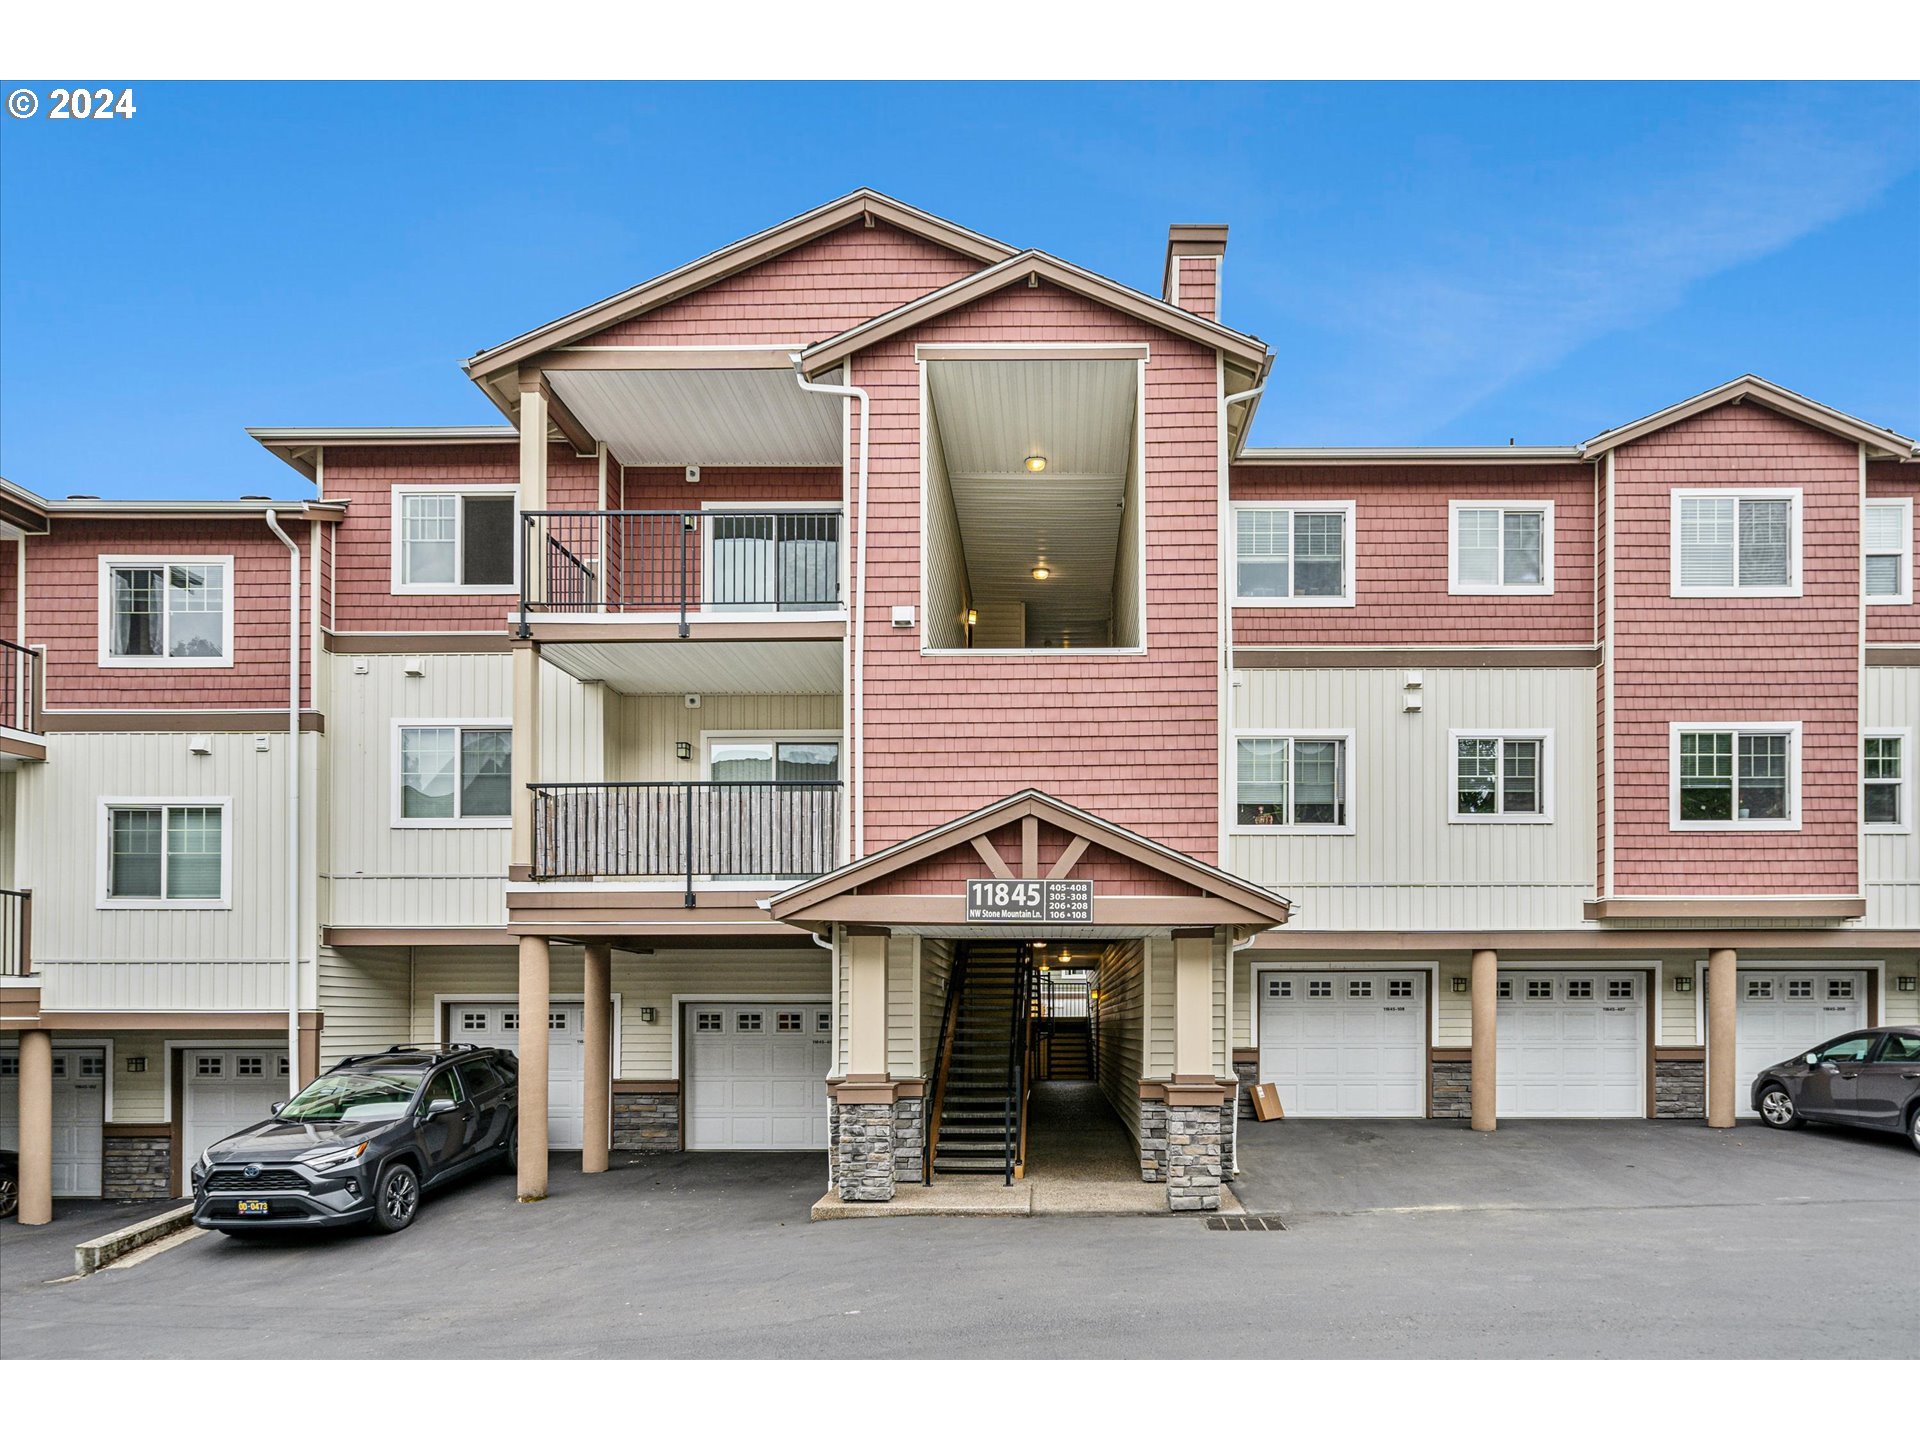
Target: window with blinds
pixel 1294 554
pixel 1501 549
pixel 1292 781
pixel 1728 778
pixel 1733 544
pixel 165 854
pixel 1886 546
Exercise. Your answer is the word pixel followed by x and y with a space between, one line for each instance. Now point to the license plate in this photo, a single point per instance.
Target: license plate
pixel 253 1207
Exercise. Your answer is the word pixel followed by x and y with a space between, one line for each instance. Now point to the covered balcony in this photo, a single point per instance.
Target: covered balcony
pixel 20 737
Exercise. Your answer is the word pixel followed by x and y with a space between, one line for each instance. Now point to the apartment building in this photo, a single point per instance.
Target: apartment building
pixel 1473 784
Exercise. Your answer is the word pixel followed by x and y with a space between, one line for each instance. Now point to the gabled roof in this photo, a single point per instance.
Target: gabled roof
pixel 296 444
pixel 793 904
pixel 1880 443
pixel 21 510
pixel 730 260
pixel 1247 350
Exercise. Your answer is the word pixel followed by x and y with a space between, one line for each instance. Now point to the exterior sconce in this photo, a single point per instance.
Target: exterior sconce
pixel 1460 986
pixel 648 1014
pixel 1908 982
pixel 1036 463
pixel 973 617
pixel 1683 984
pixel 683 749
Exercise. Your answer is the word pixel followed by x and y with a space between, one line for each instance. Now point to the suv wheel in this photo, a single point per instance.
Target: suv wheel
pixel 396 1197
pixel 1778 1110
pixel 510 1152
pixel 9 1195
pixel 1913 1127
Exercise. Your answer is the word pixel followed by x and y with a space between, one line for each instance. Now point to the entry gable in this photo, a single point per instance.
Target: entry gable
pixel 1138 885
pixel 1879 443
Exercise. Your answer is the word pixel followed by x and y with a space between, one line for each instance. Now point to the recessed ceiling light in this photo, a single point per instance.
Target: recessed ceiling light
pixel 1040 571
pixel 1036 463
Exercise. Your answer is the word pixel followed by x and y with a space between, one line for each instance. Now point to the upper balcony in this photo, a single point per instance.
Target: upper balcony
pixel 20 737
pixel 16 934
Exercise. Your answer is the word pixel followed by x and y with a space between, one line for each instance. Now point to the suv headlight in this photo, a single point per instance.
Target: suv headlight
pixel 334 1159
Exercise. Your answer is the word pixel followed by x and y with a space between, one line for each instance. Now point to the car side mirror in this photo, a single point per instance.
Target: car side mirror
pixel 276 1107
pixel 1813 1058
pixel 439 1107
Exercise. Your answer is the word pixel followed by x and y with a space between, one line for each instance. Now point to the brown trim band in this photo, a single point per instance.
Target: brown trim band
pixel 1465 657
pixel 873 1089
pixel 1246 1056
pixel 1451 1055
pixel 176 722
pixel 22 749
pixel 1892 655
pixel 1279 944
pixel 659 627
pixel 114 1130
pixel 1695 1053
pixel 646 1087
pixel 1727 907
pixel 228 1021
pixel 477 642
pixel 343 937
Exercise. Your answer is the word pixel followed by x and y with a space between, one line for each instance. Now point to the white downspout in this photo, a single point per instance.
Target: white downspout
pixel 293 803
pixel 857 718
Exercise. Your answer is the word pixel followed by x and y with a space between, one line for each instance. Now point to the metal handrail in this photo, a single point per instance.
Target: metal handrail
pixel 19 687
pixel 689 829
pixel 16 933
pixel 942 1061
pixel 1019 1036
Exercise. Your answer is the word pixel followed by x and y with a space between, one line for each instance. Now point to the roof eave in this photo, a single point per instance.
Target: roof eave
pixel 1883 443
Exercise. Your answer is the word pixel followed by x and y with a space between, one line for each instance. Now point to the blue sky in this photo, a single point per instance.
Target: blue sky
pixel 1431 263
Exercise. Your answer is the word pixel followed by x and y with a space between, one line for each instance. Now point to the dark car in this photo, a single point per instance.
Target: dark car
pixel 1869 1078
pixel 9 1183
pixel 363 1142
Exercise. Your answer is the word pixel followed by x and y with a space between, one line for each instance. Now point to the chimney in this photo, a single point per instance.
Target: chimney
pixel 1195 254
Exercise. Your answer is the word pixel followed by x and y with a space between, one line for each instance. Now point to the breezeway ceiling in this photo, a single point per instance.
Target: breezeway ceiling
pixel 704 417
pixel 1080 415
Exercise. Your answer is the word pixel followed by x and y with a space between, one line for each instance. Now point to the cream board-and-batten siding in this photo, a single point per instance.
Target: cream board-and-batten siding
pixel 1890 862
pixel 1122 1006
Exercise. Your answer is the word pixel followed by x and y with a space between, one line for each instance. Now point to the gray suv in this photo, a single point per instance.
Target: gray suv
pixel 1869 1078
pixel 362 1142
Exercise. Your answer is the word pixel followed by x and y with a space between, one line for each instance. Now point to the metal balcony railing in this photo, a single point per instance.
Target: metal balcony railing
pixel 16 933
pixel 767 830
pixel 638 562
pixel 19 687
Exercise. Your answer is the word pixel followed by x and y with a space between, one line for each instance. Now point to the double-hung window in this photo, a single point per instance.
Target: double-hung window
pixel 453 773
pixel 1500 547
pixel 1887 551
pixel 166 611
pixel 1886 780
pixel 169 854
pixel 1736 543
pixel 1298 553
pixel 449 539
pixel 1735 777
pixel 1301 781
pixel 1501 776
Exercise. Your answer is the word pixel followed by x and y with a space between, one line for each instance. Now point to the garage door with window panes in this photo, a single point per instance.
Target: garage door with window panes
pixel 474 1023
pixel 225 1091
pixel 1571 1045
pixel 1345 1042
pixel 754 1073
pixel 79 1109
pixel 1783 1013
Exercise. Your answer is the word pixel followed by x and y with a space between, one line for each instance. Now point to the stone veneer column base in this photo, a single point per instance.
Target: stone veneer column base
pixel 647 1121
pixel 1153 1141
pixel 1247 1072
pixel 909 1139
pixel 1194 1156
pixel 136 1167
pixel 1679 1089
pixel 863 1150
pixel 1452 1090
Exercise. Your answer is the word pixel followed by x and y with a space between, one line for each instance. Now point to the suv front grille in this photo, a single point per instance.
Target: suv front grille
pixel 230 1180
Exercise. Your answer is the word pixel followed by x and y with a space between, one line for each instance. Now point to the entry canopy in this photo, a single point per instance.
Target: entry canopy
pixel 919 886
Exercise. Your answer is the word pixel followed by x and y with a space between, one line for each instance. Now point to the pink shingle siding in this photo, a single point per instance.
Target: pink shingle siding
pixel 1113 873
pixel 1895 624
pixel 1200 285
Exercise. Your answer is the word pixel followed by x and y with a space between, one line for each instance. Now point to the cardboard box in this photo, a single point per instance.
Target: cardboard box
pixel 1266 1102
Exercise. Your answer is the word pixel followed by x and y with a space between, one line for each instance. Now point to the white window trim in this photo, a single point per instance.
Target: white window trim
pixel 397 541
pixel 1457 586
pixel 708 738
pixel 1904 595
pixel 768 507
pixel 1789 728
pixel 1298 602
pixel 450 822
pixel 1349 772
pixel 1794 585
pixel 110 661
pixel 1494 732
pixel 105 899
pixel 1905 737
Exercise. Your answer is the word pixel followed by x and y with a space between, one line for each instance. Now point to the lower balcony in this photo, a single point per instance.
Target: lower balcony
pixel 16 934
pixel 742 834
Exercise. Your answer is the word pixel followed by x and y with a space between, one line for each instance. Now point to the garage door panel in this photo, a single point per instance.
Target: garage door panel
pixel 759 1087
pixel 1571 1045
pixel 78 1111
pixel 1344 1043
pixel 1782 1013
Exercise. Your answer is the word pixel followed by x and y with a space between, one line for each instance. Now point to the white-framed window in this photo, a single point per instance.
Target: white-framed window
pixel 471 1020
pixel 708 1022
pixel 211 1066
pixel 250 1065
pixel 1500 547
pixel 1886 781
pixel 1319 989
pixel 1621 989
pixel 804 755
pixel 1539 989
pixel 1399 989
pixel 1734 776
pixel 1799 989
pixel 1759 989
pixel 789 1022
pixel 456 539
pixel 1279 989
pixel 1359 989
pixel 165 854
pixel 1297 552
pixel 1503 990
pixel 1736 542
pixel 1300 780
pixel 1501 777
pixel 1839 989
pixel 762 555
pixel 452 773
pixel 748 1022
pixel 168 611
pixel 823 1022
pixel 1886 550
pixel 1579 989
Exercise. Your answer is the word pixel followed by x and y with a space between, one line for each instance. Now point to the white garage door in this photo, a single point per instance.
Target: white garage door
pixel 1345 1043
pixel 754 1074
pixel 1572 1044
pixel 79 1108
pixel 1785 1012
pixel 499 1025
pixel 225 1091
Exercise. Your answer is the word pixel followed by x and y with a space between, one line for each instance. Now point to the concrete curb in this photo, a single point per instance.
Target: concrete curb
pixel 91 1255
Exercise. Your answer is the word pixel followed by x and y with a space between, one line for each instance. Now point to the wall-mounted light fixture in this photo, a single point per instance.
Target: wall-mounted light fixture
pixel 683 749
pixel 1036 463
pixel 1040 571
pixel 648 1014
pixel 1460 985
pixel 1908 982
pixel 1683 984
pixel 973 617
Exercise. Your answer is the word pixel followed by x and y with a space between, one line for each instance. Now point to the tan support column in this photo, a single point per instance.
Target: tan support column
pixel 867 1006
pixel 536 985
pixel 36 1127
pixel 1486 1011
pixel 525 760
pixel 308 1061
pixel 1722 1036
pixel 597 1067
pixel 533 444
pixel 1193 1005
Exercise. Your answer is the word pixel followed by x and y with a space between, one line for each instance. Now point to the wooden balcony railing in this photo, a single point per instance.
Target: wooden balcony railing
pixel 16 933
pixel 772 831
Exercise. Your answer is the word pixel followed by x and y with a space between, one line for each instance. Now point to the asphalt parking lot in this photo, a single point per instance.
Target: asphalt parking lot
pixel 1404 1239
